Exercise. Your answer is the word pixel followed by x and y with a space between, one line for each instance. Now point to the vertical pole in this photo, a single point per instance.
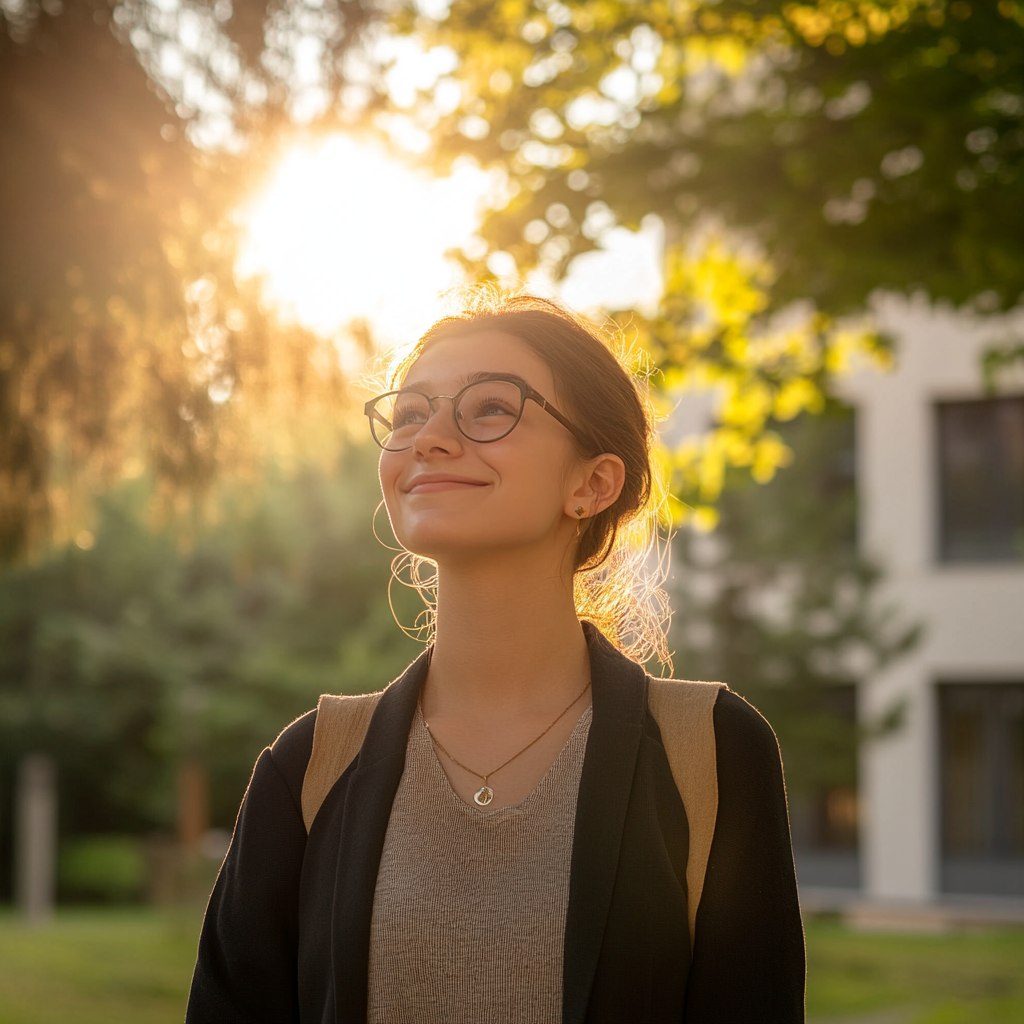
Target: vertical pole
pixel 35 827
pixel 193 821
pixel 193 805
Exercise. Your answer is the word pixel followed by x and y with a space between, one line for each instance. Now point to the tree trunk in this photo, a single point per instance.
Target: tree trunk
pixel 35 838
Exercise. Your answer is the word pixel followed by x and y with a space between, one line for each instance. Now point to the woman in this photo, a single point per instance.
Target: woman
pixel 524 827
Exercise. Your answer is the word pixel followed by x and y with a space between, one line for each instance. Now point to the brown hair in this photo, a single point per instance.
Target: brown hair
pixel 615 585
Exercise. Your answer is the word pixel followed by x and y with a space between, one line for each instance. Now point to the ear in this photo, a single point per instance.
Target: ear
pixel 603 478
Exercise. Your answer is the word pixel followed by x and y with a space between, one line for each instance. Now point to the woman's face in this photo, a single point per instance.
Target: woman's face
pixel 450 497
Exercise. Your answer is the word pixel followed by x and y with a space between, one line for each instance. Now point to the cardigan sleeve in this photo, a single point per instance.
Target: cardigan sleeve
pixel 246 970
pixel 748 956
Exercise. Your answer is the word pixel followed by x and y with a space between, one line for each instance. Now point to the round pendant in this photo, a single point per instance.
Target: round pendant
pixel 484 796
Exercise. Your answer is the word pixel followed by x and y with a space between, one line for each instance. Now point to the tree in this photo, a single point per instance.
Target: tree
pixel 125 342
pixel 866 145
pixel 128 657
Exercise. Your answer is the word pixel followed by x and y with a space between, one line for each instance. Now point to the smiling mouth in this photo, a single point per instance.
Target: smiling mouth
pixel 431 486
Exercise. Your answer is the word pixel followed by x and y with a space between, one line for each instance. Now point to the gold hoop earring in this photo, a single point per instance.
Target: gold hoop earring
pixel 380 540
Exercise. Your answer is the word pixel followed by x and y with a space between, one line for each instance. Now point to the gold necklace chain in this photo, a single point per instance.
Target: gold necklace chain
pixel 485 794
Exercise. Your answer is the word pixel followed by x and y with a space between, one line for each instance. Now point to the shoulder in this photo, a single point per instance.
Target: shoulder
pixel 735 720
pixel 683 711
pixel 672 699
pixel 325 739
pixel 336 708
pixel 742 732
pixel 708 725
pixel 295 739
pixel 342 723
pixel 290 752
pixel 748 764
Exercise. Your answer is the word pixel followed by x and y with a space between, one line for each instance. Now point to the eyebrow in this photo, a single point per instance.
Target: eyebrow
pixel 475 377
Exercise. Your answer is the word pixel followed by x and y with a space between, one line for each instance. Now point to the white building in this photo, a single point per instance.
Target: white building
pixel 940 472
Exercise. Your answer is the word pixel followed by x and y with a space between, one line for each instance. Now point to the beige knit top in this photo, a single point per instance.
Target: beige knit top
pixel 469 911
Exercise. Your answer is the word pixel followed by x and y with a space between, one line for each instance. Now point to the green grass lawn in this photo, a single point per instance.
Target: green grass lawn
pixel 959 978
pixel 97 967
pixel 107 967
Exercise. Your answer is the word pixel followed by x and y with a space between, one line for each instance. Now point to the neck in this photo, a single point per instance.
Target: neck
pixel 507 637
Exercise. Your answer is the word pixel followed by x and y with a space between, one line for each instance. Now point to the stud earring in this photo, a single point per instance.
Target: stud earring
pixel 579 511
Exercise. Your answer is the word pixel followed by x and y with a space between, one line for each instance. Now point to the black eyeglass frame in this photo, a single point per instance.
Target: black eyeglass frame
pixel 527 392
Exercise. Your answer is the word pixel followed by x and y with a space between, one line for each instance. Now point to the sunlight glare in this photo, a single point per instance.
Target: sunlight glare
pixel 345 232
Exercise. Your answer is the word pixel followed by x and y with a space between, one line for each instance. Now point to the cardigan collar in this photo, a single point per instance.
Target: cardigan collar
pixel 619 695
pixel 620 705
pixel 376 773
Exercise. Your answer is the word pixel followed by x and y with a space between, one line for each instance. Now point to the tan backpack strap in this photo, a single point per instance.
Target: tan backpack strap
pixel 684 713
pixel 341 724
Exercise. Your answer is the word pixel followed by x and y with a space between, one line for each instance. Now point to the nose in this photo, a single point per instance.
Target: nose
pixel 439 432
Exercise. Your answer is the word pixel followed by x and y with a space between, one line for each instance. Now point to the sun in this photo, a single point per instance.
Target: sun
pixel 343 231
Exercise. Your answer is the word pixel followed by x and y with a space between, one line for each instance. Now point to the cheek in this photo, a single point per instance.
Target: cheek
pixel 537 488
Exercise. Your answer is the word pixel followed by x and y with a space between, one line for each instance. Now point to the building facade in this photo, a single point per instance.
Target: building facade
pixel 940 477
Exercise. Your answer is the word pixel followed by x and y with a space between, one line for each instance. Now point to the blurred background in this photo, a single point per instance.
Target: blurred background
pixel 806 220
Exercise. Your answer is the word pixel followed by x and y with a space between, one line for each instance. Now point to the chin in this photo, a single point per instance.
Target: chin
pixel 439 541
pixel 438 544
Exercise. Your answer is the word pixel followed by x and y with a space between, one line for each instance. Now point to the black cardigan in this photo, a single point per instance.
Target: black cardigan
pixel 286 934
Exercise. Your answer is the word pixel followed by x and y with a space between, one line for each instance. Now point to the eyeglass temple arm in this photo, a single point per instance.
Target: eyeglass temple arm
pixel 549 408
pixel 370 410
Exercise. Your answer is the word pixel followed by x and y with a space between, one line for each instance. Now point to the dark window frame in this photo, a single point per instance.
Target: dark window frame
pixel 1001 538
pixel 980 785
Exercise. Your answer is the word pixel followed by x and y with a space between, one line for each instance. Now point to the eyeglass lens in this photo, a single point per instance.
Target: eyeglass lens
pixel 484 412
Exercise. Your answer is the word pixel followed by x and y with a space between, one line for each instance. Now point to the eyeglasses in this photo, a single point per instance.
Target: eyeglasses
pixel 483 411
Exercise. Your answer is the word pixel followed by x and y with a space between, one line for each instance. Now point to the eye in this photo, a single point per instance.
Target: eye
pixel 410 411
pixel 490 400
pixel 493 406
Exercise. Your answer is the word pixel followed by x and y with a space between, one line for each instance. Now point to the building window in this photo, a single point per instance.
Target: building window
pixel 981 480
pixel 982 741
pixel 824 816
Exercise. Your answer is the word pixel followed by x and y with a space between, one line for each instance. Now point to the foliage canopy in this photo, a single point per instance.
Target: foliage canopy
pixel 126 343
pixel 865 145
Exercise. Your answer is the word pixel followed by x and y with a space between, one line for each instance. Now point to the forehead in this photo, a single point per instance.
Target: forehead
pixel 451 362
